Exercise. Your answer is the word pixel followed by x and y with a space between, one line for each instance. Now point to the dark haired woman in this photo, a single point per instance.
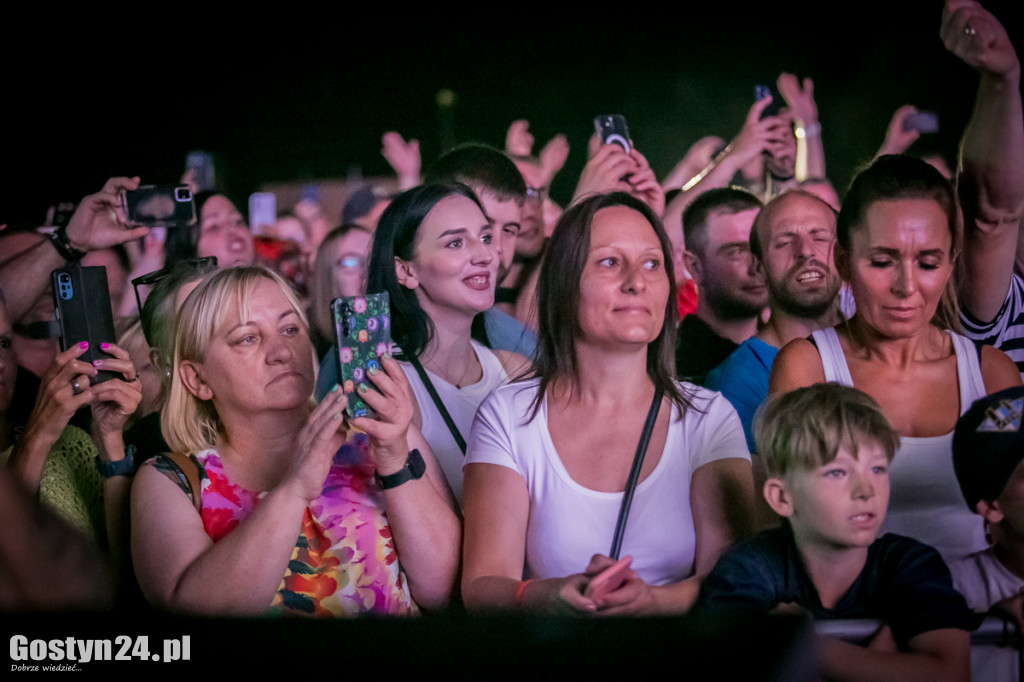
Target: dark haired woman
pixel 220 231
pixel 549 458
pixel 896 246
pixel 432 253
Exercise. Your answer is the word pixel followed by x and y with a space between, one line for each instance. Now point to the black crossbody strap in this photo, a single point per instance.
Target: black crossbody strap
pixel 634 475
pixel 439 405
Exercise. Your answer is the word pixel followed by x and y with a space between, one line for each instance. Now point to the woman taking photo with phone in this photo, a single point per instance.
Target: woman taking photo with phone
pixel 550 458
pixel 432 254
pixel 897 242
pixel 279 505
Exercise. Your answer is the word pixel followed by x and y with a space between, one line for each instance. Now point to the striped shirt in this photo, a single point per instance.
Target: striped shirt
pixel 1006 330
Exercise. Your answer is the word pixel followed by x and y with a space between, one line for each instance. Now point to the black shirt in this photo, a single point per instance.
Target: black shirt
pixel 699 350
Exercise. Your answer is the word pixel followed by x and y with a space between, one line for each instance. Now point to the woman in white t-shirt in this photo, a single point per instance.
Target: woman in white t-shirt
pixel 549 458
pixel 433 253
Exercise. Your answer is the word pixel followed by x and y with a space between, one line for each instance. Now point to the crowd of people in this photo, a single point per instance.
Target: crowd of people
pixel 735 389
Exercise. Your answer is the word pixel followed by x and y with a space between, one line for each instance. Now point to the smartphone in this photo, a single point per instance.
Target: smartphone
pixel 201 165
pixel 773 109
pixel 608 580
pixel 362 326
pixel 613 130
pixel 82 303
pixel 262 212
pixel 160 206
pixel 922 122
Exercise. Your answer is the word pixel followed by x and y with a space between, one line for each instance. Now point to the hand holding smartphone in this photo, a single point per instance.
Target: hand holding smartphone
pixel 362 326
pixel 82 304
pixel 613 130
pixel 159 206
pixel 608 580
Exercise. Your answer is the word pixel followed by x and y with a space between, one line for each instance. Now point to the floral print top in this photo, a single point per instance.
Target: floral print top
pixel 344 562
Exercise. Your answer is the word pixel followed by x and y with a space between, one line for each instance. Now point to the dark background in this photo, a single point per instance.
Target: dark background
pixel 300 93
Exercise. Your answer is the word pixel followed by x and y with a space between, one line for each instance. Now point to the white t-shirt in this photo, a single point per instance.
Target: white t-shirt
pixel 984 581
pixel 461 404
pixel 569 523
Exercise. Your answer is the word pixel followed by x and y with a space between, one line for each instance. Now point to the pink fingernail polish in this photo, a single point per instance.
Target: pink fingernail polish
pixel 104 346
pixel 83 345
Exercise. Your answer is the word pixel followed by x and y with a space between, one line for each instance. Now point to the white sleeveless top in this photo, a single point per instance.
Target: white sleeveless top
pixel 461 403
pixel 925 501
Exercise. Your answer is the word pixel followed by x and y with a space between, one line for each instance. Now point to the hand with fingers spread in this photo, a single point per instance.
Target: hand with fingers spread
pixel 799 98
pixel 404 158
pixel 99 221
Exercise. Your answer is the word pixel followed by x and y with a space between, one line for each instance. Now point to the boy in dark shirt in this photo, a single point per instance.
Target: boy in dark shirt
pixel 827 450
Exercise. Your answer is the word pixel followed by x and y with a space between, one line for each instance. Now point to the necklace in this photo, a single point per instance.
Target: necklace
pixel 461 382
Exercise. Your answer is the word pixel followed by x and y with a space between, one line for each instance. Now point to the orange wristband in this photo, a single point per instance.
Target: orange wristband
pixel 520 590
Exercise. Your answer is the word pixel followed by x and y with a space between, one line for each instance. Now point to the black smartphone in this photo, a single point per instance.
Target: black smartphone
pixel 770 90
pixel 613 130
pixel 160 206
pixel 362 326
pixel 82 302
pixel 922 122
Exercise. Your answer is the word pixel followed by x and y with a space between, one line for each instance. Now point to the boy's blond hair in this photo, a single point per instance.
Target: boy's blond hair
pixel 804 429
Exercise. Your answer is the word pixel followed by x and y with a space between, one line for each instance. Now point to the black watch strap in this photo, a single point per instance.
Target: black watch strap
pixel 60 241
pixel 123 467
pixel 412 471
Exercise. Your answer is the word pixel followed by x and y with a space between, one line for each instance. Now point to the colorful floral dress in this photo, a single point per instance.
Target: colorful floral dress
pixel 344 562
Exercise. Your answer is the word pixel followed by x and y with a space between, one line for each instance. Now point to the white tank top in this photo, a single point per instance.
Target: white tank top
pixel 925 501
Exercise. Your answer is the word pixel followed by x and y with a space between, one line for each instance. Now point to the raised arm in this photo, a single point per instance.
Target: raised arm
pixel 97 223
pixel 404 158
pixel 991 180
pixel 803 111
pixel 756 136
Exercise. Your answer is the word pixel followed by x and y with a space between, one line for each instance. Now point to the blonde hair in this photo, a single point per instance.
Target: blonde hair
pixel 190 424
pixel 804 429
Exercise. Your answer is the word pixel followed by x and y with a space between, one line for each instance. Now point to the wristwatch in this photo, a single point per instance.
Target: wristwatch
pixel 123 467
pixel 412 471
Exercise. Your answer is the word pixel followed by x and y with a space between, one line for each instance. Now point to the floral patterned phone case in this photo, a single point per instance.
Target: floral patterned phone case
pixel 362 325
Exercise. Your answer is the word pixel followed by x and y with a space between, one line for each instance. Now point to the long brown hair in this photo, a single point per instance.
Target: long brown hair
pixel 559 293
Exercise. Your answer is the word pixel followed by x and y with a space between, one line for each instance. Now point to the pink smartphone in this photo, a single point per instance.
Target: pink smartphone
pixel 608 580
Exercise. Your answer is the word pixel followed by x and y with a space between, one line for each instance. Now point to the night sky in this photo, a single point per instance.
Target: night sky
pixel 308 97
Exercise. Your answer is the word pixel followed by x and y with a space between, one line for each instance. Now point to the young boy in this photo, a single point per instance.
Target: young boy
pixel 988 447
pixel 827 450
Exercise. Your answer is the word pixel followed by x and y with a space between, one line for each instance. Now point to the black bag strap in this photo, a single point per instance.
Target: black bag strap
pixel 634 474
pixel 439 404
